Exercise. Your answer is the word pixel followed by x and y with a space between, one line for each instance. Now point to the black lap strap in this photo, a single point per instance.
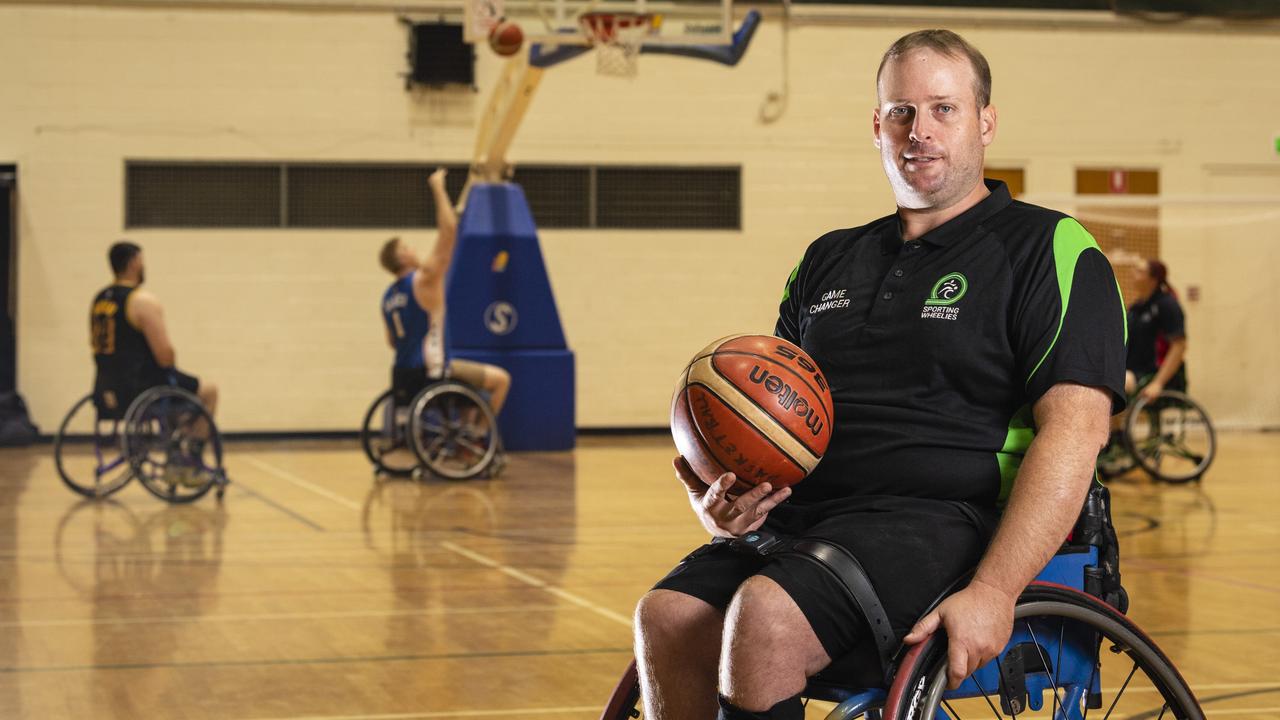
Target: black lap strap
pixel 849 572
pixel 845 567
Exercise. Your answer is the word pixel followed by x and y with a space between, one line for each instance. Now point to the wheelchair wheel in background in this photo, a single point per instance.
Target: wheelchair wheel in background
pixel 87 452
pixel 173 445
pixel 1070 652
pixel 1171 437
pixel 385 437
pixel 453 431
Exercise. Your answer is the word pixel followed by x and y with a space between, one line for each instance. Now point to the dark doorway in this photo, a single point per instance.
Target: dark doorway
pixel 8 276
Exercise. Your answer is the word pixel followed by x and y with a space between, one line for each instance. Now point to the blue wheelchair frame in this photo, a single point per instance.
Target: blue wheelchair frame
pixel 1074 656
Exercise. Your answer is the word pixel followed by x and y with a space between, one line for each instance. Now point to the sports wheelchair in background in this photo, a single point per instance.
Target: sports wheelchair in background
pixel 164 437
pixel 1072 649
pixel 1171 438
pixel 447 429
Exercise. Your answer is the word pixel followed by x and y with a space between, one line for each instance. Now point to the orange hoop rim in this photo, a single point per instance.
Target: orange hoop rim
pixel 603 27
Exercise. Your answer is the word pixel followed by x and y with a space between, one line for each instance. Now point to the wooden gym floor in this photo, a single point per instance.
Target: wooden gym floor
pixel 314 592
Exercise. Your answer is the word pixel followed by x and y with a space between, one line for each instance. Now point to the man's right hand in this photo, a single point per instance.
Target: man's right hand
pixel 436 180
pixel 724 517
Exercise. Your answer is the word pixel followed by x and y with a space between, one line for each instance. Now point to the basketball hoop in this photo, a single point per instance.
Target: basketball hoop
pixel 617 38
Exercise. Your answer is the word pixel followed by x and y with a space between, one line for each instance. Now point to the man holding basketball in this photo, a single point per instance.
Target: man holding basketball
pixel 973 372
pixel 413 311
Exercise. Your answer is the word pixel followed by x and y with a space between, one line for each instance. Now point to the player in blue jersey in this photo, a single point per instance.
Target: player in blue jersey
pixel 413 311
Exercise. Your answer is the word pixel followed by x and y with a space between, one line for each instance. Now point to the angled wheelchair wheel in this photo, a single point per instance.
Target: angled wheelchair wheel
pixel 624 703
pixel 384 435
pixel 453 431
pixel 87 452
pixel 1070 655
pixel 1171 437
pixel 173 445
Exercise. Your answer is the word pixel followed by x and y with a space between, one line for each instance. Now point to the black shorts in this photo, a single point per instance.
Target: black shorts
pixel 113 395
pixel 406 383
pixel 911 548
pixel 1177 382
pixel 171 377
pixel 190 383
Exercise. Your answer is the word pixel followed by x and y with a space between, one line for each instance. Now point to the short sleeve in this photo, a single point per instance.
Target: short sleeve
pixel 1071 326
pixel 788 326
pixel 1170 320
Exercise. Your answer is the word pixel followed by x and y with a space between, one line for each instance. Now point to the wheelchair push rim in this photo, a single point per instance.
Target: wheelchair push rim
pixel 384 437
pixel 105 469
pixel 1127 675
pixel 173 445
pixel 453 431
pixel 1171 438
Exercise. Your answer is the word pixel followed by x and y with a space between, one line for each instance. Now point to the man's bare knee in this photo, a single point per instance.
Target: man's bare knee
pixel 769 649
pixel 677 648
pixel 497 381
pixel 665 614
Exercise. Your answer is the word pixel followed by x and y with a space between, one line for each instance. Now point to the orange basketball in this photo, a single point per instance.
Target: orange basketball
pixel 756 406
pixel 506 38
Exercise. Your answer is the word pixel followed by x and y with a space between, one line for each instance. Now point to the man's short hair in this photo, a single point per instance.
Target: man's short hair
pixel 121 254
pixel 949 44
pixel 388 257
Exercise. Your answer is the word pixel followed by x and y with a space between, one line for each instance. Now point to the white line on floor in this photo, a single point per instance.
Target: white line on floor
pixel 251 617
pixel 513 712
pixel 535 582
pixel 286 475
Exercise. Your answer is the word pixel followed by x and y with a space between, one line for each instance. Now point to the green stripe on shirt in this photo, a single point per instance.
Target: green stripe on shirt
pixel 1070 240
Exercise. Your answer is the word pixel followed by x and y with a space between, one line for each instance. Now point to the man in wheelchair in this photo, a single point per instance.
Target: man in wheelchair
pixel 973 374
pixel 413 310
pixel 132 351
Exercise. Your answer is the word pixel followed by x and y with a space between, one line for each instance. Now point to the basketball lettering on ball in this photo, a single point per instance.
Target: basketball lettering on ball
pixel 506 38
pixel 754 405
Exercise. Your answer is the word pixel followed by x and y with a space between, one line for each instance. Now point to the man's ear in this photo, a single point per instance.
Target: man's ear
pixel 987 121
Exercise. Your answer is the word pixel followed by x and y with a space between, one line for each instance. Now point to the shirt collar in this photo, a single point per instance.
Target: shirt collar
pixel 957 227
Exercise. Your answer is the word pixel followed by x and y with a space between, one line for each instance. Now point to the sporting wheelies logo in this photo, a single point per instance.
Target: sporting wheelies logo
pixel 945 294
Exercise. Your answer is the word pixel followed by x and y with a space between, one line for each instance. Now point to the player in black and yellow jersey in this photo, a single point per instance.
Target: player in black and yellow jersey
pixel 131 346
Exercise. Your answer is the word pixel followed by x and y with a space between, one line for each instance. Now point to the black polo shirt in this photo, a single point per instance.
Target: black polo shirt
pixel 936 349
pixel 1153 323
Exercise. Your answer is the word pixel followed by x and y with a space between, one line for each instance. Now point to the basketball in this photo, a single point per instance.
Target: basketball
pixel 506 38
pixel 756 406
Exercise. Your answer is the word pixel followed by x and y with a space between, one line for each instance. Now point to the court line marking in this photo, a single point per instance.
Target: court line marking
pixel 338 660
pixel 282 508
pixel 304 484
pixel 470 555
pixel 1156 567
pixel 535 582
pixel 448 714
pixel 1197 687
pixel 251 617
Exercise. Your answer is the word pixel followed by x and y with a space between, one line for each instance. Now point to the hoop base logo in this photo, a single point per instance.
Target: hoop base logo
pixel 945 294
pixel 500 318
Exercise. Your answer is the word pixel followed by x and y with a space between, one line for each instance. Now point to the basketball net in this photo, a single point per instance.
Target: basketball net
pixel 617 38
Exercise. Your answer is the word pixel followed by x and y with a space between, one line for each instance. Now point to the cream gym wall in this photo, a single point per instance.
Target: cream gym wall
pixel 286 321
